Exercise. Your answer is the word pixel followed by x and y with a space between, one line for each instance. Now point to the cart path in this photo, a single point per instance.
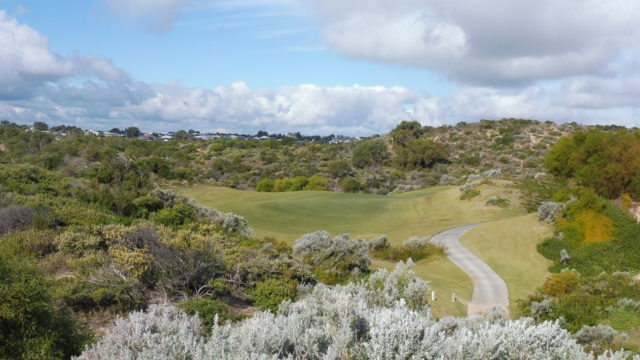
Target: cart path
pixel 489 290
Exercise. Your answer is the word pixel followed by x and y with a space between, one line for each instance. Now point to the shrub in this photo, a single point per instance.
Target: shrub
pixel 31 327
pixel 15 217
pixel 265 185
pixel 382 318
pixel 416 242
pixel 369 152
pixel 549 211
pixel 270 293
pixel 208 310
pixel 379 243
pixel 350 185
pixel 317 183
pixel 79 244
pixel 333 260
pixel 175 216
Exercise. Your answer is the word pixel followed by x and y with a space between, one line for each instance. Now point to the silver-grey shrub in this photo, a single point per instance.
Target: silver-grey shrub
pixel 366 320
pixel 416 242
pixel 15 217
pixel 379 243
pixel 493 173
pixel 549 211
pixel 318 247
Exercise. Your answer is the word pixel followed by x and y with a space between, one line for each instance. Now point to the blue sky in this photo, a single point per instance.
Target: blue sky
pixel 337 66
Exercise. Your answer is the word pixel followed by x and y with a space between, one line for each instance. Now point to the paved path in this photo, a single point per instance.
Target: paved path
pixel 489 290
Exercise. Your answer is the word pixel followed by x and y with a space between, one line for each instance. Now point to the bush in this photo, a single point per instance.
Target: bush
pixel 31 327
pixel 79 244
pixel 382 318
pixel 350 185
pixel 265 185
pixel 379 243
pixel 176 216
pixel 549 211
pixel 208 310
pixel 317 183
pixel 368 153
pixel 15 217
pixel 270 293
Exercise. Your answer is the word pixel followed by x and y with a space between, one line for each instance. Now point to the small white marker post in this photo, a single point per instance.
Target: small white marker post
pixel 433 296
pixel 453 297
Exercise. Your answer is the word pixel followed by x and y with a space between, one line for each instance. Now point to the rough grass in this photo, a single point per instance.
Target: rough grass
pixel 509 247
pixel 287 216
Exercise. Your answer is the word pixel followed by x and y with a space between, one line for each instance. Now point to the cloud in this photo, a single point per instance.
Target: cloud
pixel 488 42
pixel 25 59
pixel 92 92
pixel 155 15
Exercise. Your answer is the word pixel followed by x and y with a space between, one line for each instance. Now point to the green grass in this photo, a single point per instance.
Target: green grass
pixel 287 216
pixel 509 247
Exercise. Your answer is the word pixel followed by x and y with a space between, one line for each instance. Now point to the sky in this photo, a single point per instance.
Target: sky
pixel 352 67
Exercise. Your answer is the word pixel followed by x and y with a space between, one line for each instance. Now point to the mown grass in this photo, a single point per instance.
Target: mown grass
pixel 287 216
pixel 509 247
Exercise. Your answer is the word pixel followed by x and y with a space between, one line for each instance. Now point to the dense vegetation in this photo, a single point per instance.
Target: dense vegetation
pixel 87 234
pixel 596 245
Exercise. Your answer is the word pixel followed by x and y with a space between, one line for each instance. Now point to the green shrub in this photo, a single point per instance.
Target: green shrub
pixel 317 183
pixel 30 326
pixel 350 185
pixel 178 215
pixel 207 309
pixel 270 293
pixel 265 185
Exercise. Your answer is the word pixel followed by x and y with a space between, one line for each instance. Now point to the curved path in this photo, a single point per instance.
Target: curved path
pixel 489 290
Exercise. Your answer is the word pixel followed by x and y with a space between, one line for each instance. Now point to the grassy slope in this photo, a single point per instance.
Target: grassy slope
pixel 286 216
pixel 509 247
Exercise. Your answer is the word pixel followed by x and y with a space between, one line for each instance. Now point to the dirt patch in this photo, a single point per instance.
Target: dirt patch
pixel 2 147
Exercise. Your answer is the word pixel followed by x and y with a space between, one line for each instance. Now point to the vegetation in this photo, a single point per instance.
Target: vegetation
pixel 361 320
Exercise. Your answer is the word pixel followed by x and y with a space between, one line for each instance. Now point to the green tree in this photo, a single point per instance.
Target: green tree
pixel 369 152
pixel 421 153
pixel 406 131
pixel 40 126
pixel 132 132
pixel 182 135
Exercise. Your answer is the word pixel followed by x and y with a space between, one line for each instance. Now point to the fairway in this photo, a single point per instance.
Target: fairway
pixel 287 216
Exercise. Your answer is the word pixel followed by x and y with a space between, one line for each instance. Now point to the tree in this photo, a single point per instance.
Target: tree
pixel 421 153
pixel 132 132
pixel 182 135
pixel 406 131
pixel 40 126
pixel 369 152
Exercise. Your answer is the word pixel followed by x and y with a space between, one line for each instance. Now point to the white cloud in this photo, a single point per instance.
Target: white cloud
pixel 25 59
pixel 156 15
pixel 92 92
pixel 484 42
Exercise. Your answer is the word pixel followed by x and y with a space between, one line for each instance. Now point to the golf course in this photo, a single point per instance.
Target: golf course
pixel 505 241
